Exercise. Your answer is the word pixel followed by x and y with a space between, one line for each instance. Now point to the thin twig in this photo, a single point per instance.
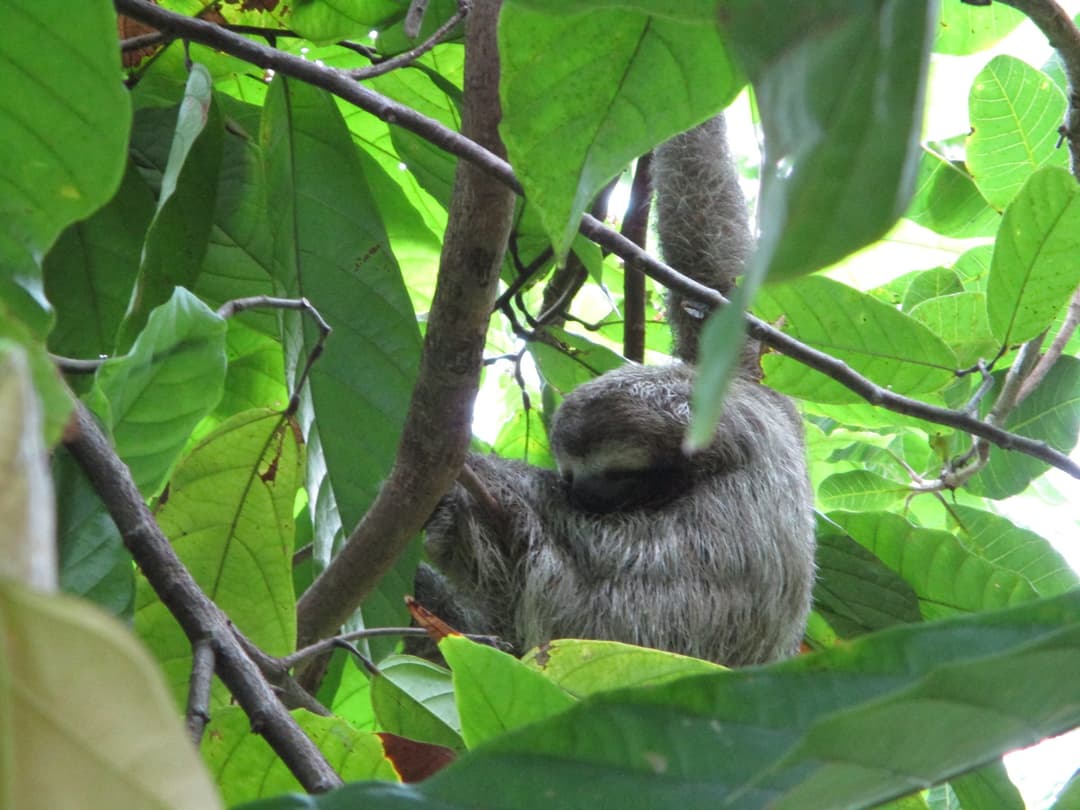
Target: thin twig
pixel 635 227
pixel 73 365
pixel 238 305
pixel 1057 348
pixel 143 41
pixel 414 18
pixel 410 56
pixel 198 702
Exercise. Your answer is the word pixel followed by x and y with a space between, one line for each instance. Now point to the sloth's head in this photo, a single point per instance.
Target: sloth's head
pixel 618 439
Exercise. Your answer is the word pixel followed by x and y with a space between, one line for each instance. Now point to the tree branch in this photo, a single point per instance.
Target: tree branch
pixel 428 461
pixel 635 227
pixel 201 620
pixel 410 56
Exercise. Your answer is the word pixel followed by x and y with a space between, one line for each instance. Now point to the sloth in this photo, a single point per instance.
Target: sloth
pixel 709 554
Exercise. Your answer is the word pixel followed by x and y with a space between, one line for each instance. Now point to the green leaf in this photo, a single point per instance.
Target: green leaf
pixel 113 729
pixel 430 95
pixel 966 29
pixel 572 360
pixel 240 253
pixel 861 489
pixel 1015 114
pixel 584 667
pixel 947 200
pixel 331 20
pixel 64 119
pixel 331 249
pixel 931 284
pixel 855 591
pixel 93 561
pixel 92 267
pixel 947 576
pixel 840 88
pixel 228 513
pixel 246 767
pixel 415 698
pixel 495 692
pixel 871 720
pixel 722 341
pixel 177 238
pixel 523 436
pixel 961 321
pixel 988 788
pixel 700 11
pixel 1050 414
pixel 152 398
pixel 1034 268
pixel 875 339
pixel 1007 546
pixel 582 95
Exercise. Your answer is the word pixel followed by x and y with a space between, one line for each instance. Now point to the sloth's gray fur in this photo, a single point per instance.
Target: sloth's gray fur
pixel 710 555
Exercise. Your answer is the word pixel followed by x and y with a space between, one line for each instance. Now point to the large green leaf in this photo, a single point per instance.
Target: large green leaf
pixel 582 95
pixel 240 252
pixel 331 249
pixel 414 698
pixel 90 271
pixel 93 561
pixel 496 692
pixel 1015 114
pixel 177 238
pixel 86 718
pixel 947 201
pixel 840 87
pixel 64 119
pixel 947 576
pixel 246 767
pixel 331 20
pixel 429 93
pixel 229 516
pixel 152 398
pixel 961 321
pixel 872 337
pixel 1010 547
pixel 1034 269
pixel 585 666
pixel 700 11
pixel 966 28
pixel 855 591
pixel 873 719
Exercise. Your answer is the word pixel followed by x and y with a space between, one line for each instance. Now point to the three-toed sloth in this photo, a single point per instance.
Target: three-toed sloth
pixel 709 554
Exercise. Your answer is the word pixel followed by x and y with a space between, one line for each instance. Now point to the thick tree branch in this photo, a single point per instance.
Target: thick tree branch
pixel 428 460
pixel 201 620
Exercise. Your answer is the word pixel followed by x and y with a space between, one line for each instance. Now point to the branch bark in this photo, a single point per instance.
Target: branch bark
pixel 428 461
pixel 201 620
